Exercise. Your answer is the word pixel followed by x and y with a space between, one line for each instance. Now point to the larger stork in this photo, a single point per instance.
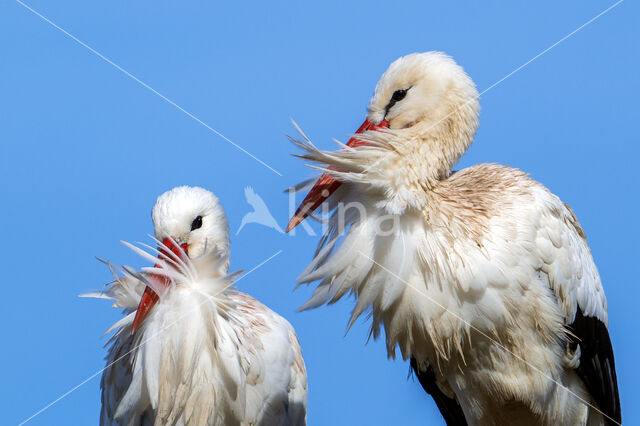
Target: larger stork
pixel 482 278
pixel 193 350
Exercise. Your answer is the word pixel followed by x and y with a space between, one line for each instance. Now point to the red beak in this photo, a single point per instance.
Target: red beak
pixel 326 184
pixel 150 297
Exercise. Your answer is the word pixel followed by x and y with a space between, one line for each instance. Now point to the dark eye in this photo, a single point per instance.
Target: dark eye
pixel 197 223
pixel 399 95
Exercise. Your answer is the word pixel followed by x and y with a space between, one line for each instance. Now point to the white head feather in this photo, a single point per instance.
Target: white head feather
pixel 435 86
pixel 203 268
pixel 430 127
pixel 175 212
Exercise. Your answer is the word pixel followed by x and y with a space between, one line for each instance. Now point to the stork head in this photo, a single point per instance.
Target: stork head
pixel 189 221
pixel 427 107
pixel 193 218
pixel 425 94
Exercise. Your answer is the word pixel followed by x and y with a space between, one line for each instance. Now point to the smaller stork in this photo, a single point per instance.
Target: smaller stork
pixel 191 348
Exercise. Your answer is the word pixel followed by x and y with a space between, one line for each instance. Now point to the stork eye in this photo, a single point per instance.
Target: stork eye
pixel 399 95
pixel 197 223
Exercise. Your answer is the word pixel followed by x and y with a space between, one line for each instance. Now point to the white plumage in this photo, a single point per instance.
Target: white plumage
pixel 481 277
pixel 205 354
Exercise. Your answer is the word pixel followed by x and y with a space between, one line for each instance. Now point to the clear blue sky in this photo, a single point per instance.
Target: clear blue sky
pixel 85 150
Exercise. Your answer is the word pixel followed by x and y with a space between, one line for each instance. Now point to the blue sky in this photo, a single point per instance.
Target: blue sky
pixel 85 150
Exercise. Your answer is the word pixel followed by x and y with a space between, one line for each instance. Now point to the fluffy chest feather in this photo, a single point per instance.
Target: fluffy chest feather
pixel 188 362
pixel 474 257
pixel 206 354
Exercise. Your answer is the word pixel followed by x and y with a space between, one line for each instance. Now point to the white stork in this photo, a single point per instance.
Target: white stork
pixel 482 277
pixel 192 350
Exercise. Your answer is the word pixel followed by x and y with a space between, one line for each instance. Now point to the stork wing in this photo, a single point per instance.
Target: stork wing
pixel 575 280
pixel 276 377
pixel 116 380
pixel 449 407
pixel 114 383
pixel 597 367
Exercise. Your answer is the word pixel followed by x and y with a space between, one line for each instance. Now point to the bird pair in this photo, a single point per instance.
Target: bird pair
pixel 485 283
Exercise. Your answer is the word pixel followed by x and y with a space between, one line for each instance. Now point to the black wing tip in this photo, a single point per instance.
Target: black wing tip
pixel 597 365
pixel 449 408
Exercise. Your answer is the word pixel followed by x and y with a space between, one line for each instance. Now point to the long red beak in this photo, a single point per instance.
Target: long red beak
pixel 326 184
pixel 150 297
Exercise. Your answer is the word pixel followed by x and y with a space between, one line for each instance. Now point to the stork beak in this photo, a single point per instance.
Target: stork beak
pixel 327 184
pixel 150 297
